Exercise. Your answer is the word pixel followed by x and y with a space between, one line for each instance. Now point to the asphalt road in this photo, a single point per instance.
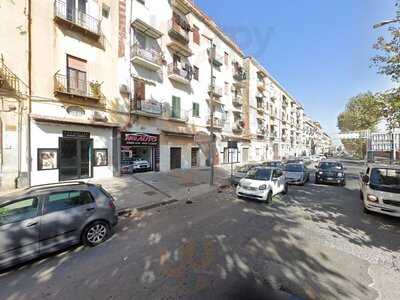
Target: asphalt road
pixel 315 243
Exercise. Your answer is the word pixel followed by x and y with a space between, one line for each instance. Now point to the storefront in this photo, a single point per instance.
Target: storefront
pixel 63 151
pixel 140 152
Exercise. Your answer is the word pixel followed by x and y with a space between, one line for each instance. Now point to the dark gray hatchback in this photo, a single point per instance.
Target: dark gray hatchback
pixel 47 218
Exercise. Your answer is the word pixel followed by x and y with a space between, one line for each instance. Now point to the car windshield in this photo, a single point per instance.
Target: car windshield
pixel 330 165
pixel 259 174
pixel 272 164
pixel 294 168
pixel 385 178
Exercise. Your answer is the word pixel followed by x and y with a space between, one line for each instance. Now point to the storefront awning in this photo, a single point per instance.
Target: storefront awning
pixel 62 120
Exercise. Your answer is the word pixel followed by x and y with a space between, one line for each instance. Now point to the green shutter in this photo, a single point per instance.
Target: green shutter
pixel 196 109
pixel 176 107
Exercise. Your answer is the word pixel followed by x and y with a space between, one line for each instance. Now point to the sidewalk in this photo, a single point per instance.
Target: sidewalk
pixel 145 190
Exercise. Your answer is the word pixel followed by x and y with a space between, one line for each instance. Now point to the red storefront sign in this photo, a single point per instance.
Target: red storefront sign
pixel 140 139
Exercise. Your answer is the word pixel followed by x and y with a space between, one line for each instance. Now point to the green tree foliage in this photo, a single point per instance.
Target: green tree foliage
pixel 362 112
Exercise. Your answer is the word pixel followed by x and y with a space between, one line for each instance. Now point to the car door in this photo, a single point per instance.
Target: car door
pixel 19 230
pixel 281 181
pixel 64 215
pixel 275 181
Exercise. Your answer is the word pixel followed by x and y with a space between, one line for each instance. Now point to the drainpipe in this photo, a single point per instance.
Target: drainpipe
pixel 29 108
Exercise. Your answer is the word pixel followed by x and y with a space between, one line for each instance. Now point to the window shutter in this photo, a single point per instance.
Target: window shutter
pixel 196 35
pixel 140 90
pixel 176 107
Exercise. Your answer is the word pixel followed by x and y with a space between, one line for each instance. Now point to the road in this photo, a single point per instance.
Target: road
pixel 315 243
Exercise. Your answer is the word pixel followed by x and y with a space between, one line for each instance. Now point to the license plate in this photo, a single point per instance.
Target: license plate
pixel 329 178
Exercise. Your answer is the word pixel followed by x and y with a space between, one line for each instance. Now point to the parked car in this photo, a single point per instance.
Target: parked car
pixel 137 165
pixel 380 189
pixel 275 164
pixel 47 218
pixel 296 174
pixel 294 161
pixel 262 183
pixel 241 172
pixel 330 172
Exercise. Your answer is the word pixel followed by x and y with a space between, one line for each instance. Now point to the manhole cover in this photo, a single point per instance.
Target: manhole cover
pixel 150 193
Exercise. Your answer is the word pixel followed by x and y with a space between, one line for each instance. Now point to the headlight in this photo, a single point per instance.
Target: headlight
pixel 263 187
pixel 320 173
pixel 340 174
pixel 372 198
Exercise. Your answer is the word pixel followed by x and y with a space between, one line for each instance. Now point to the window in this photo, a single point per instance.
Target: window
pixel 196 73
pixel 231 156
pixel 76 75
pixel 196 35
pixel 105 11
pixel 176 107
pixel 18 211
pixel 226 88
pixel 196 110
pixel 226 59
pixel 67 200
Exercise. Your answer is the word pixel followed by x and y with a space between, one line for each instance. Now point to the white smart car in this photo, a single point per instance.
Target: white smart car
pixel 262 183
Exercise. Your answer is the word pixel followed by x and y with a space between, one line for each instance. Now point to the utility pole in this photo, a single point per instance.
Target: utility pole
pixel 212 89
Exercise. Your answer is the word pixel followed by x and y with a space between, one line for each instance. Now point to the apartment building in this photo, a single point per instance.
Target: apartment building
pixel 13 94
pixel 178 64
pixel 130 85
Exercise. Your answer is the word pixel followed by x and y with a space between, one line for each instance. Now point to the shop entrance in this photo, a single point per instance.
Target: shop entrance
pixel 75 158
pixel 195 157
pixel 176 155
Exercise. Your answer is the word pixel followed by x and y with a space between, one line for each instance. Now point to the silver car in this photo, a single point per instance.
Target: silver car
pixel 297 174
pixel 44 219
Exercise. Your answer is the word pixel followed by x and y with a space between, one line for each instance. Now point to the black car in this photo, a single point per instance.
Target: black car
pixel 330 172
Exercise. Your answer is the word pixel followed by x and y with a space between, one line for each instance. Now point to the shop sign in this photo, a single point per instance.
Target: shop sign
pixel 141 139
pixel 76 134
pixel 151 106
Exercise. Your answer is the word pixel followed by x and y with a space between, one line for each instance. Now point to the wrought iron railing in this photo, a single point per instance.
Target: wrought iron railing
pixel 151 55
pixel 173 69
pixel 177 31
pixel 216 90
pixel 74 86
pixel 76 16
pixel 237 100
pixel 217 122
pixel 10 81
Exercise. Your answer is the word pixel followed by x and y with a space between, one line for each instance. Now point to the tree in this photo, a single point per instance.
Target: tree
pixel 363 112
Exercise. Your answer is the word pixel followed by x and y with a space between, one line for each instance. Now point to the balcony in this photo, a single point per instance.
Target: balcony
pixel 180 74
pixel 260 107
pixel 261 131
pixel 215 58
pixel 179 33
pixel 9 82
pixel 237 100
pixel 238 127
pixel 218 123
pixel 261 86
pixel 181 5
pixel 261 117
pixel 75 19
pixel 74 87
pixel 215 91
pixel 147 58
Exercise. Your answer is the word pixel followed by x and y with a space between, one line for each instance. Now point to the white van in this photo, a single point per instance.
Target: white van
pixel 380 189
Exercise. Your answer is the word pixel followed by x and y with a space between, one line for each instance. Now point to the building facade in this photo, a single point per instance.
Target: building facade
pixel 117 87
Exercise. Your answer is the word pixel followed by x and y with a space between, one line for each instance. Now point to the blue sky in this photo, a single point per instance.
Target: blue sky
pixel 319 50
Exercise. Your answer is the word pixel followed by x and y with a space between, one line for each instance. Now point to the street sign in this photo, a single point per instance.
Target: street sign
pixel 232 144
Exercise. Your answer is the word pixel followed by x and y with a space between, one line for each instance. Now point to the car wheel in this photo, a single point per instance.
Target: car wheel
pixel 269 198
pixel 95 233
pixel 286 189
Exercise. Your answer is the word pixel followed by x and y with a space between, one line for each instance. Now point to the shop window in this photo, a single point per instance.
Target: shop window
pixel 231 156
pixel 196 109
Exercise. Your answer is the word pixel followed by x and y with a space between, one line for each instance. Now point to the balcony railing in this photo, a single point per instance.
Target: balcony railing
pixel 11 82
pixel 151 55
pixel 215 90
pixel 238 126
pixel 183 75
pixel 261 131
pixel 76 87
pixel 261 85
pixel 239 74
pixel 76 17
pixel 218 123
pixel 215 58
pixel 237 100
pixel 177 32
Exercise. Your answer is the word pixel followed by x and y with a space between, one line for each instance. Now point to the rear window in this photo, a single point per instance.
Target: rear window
pixel 330 165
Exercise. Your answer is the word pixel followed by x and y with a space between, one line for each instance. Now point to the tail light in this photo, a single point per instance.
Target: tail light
pixel 111 204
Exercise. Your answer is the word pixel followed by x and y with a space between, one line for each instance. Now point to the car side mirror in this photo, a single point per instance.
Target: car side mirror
pixel 365 179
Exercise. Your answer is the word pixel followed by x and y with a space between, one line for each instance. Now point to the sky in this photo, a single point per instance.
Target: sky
pixel 319 50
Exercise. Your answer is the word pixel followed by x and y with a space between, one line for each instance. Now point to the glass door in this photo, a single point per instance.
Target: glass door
pixel 75 158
